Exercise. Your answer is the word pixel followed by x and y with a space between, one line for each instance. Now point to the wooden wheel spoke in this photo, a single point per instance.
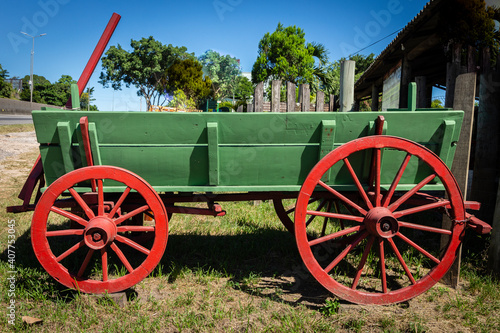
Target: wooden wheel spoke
pixel 383 275
pixel 338 259
pixel 424 228
pixel 104 261
pixel 335 216
pixel 292 209
pixel 100 198
pixel 336 235
pixel 132 244
pixel 401 260
pixel 395 182
pixel 422 208
pixel 119 202
pixel 362 262
pixel 378 157
pixel 85 263
pixel 68 232
pixel 325 220
pixel 69 215
pixel 135 228
pixel 320 207
pixel 131 214
pixel 410 193
pixel 342 197
pixel 122 257
pixel 418 248
pixel 358 183
pixel 70 250
pixel 90 214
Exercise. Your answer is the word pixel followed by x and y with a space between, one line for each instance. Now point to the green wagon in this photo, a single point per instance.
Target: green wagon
pixel 362 192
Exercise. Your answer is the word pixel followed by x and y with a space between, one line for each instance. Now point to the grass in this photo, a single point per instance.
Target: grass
pixel 16 128
pixel 241 272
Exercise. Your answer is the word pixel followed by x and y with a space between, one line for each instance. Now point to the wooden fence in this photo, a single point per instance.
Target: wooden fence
pixel 291 104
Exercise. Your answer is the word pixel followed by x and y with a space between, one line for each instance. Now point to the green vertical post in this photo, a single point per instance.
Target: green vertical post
pixel 412 96
pixel 75 97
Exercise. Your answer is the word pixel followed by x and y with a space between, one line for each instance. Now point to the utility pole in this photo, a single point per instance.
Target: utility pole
pixel 31 67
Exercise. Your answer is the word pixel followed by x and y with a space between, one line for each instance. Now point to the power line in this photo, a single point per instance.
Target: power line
pixel 378 41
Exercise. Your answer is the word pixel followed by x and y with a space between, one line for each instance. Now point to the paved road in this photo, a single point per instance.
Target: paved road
pixel 15 119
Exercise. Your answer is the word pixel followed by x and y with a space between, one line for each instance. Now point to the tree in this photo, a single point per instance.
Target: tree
pixel 284 55
pixel 223 71
pixel 40 83
pixel 244 89
pixel 181 101
pixel 6 89
pixel 143 67
pixel 186 75
pixel 470 22
pixel 86 100
pixel 331 77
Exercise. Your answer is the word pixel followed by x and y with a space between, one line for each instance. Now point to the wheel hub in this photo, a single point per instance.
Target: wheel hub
pixel 381 222
pixel 100 232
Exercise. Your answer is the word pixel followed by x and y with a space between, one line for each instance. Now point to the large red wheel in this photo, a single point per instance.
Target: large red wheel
pixel 387 249
pixel 97 251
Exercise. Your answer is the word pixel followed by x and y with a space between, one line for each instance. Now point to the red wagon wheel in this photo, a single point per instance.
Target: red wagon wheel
pixel 387 250
pixel 94 252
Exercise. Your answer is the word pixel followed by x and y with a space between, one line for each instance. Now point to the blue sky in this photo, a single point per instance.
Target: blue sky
pixel 232 27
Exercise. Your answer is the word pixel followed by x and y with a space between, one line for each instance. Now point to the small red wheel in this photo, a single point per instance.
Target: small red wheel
pixel 94 252
pixel 387 249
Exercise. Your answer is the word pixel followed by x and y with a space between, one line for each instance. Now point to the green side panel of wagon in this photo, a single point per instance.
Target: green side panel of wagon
pixel 186 152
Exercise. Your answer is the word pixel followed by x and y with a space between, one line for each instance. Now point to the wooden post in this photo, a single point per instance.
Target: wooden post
pixel 320 101
pixel 487 158
pixel 347 68
pixel 421 91
pixel 249 107
pixel 494 251
pixel 332 103
pixel 258 99
pixel 290 97
pixel 275 96
pixel 305 97
pixel 406 78
pixel 465 97
pixel 240 108
pixel 452 71
pixel 375 95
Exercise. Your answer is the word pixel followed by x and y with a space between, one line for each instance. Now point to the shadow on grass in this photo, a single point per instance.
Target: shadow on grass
pixel 269 254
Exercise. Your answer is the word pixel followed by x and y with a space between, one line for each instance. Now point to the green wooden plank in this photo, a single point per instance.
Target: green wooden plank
pixel 447 142
pixel 213 153
pixel 328 132
pixel 94 144
pixel 63 130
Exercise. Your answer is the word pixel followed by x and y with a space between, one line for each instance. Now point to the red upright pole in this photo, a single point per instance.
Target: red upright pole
pixel 96 55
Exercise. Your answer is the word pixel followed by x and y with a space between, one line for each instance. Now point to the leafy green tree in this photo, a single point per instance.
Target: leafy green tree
pixel 6 89
pixel 40 83
pixel 143 67
pixel 284 55
pixel 186 75
pixel 470 22
pixel 436 104
pixel 181 101
pixel 223 71
pixel 330 82
pixel 86 100
pixel 244 89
